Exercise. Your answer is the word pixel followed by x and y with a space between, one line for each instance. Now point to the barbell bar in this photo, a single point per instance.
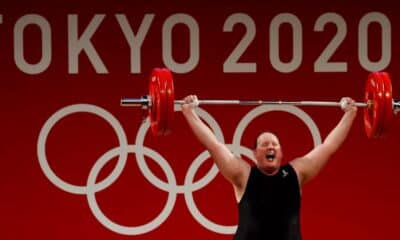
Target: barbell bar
pixel 379 106
pixel 145 101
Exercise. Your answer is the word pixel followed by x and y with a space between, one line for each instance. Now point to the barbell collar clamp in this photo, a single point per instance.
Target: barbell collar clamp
pixel 143 102
pixel 396 106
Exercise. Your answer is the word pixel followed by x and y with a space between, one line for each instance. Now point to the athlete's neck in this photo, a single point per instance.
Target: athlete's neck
pixel 268 172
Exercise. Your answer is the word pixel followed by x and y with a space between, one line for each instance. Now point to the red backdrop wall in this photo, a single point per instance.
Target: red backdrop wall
pixel 73 162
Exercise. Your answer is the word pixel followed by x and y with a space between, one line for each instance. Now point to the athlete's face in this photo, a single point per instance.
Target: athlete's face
pixel 268 153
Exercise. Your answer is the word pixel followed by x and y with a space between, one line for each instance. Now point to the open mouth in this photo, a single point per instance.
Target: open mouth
pixel 270 155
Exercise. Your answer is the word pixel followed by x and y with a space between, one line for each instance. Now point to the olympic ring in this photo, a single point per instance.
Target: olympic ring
pixel 123 229
pixel 155 180
pixel 140 150
pixel 41 147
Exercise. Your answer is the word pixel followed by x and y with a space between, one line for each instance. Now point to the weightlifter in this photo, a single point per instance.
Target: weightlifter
pixel 269 194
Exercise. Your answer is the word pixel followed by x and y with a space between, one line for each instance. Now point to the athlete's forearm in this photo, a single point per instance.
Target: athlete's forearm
pixel 338 135
pixel 202 132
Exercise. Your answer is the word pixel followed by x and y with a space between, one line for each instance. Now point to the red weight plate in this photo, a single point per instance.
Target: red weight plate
pixel 388 103
pixel 170 100
pixel 164 108
pixel 373 115
pixel 154 98
pixel 380 101
pixel 368 111
pixel 156 111
pixel 163 103
pixel 163 95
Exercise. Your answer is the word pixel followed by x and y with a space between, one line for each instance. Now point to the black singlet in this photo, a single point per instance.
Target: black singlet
pixel 270 206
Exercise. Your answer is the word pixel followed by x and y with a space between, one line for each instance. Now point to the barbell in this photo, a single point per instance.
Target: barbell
pixel 379 105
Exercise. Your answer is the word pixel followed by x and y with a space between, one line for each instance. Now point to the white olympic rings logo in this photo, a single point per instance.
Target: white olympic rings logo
pixel 140 150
